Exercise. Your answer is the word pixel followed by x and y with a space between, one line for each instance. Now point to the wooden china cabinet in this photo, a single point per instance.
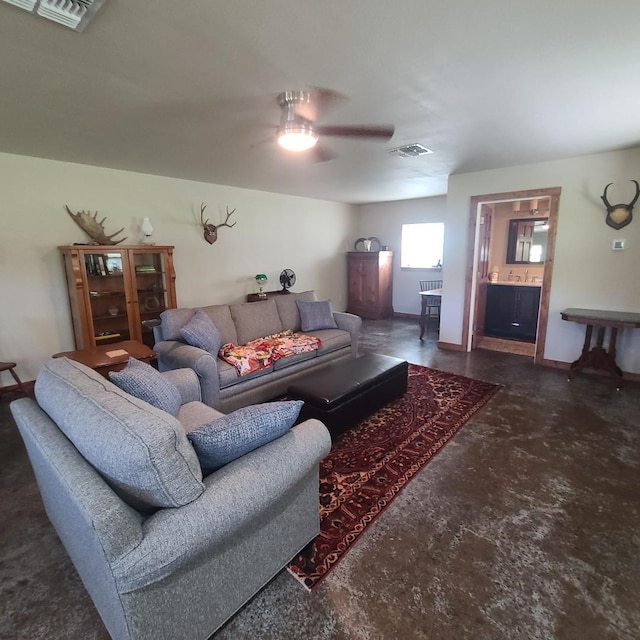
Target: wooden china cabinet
pixel 114 289
pixel 370 277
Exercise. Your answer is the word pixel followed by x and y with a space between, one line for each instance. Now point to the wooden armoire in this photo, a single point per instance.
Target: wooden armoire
pixel 370 278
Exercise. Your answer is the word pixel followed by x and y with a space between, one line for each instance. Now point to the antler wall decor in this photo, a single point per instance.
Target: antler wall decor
pixel 619 215
pixel 211 230
pixel 94 228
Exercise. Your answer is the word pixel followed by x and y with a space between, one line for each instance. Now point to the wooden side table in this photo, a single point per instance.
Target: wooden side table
pixel 598 357
pixel 110 357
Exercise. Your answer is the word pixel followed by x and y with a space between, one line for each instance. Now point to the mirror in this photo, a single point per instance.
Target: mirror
pixel 527 242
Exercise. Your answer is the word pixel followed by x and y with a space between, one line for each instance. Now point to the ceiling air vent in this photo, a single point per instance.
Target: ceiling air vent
pixel 410 151
pixel 23 4
pixel 74 14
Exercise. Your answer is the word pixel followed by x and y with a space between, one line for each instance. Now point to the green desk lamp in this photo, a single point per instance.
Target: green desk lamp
pixel 261 279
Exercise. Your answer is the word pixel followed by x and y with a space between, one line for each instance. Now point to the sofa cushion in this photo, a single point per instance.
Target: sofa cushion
pixel 142 452
pixel 232 436
pixel 228 376
pixel 316 315
pixel 201 332
pixel 255 319
pixel 146 383
pixel 172 321
pixel 288 309
pixel 220 315
pixel 193 415
pixel 283 363
pixel 332 340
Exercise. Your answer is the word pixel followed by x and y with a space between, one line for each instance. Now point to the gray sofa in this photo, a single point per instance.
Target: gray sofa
pixel 222 387
pixel 178 570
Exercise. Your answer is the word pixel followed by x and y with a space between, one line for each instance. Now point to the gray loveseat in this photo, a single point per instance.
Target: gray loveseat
pixel 222 387
pixel 163 552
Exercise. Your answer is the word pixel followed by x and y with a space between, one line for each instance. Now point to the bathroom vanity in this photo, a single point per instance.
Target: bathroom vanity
pixel 512 311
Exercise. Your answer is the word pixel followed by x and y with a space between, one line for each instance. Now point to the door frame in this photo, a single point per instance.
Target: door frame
pixel 471 280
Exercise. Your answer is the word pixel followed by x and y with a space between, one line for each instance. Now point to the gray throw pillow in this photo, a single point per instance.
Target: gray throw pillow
pixel 316 315
pixel 145 383
pixel 201 332
pixel 242 431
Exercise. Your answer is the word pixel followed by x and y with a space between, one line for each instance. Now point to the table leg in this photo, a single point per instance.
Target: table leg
pixel 576 365
pixel 599 357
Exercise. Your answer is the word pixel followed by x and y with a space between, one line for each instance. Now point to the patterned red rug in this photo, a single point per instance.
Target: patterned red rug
pixel 370 464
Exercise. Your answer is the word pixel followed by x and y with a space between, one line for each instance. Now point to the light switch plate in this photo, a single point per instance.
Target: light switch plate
pixel 618 245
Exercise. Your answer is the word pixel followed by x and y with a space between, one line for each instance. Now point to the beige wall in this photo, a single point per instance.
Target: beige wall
pixel 587 272
pixel 272 232
pixel 309 236
pixel 384 220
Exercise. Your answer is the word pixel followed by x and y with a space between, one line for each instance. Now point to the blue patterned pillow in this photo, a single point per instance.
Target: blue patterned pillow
pixel 316 315
pixel 201 332
pixel 145 383
pixel 242 431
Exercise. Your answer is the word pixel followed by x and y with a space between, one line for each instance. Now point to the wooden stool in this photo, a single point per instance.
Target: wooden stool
pixel 9 366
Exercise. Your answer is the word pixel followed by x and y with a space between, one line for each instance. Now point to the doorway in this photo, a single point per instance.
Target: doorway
pixel 489 240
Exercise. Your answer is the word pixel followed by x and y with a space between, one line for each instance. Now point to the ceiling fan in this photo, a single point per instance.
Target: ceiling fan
pixel 298 130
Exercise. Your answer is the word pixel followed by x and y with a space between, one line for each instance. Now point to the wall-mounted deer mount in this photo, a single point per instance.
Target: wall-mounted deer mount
pixel 211 230
pixel 94 227
pixel 619 215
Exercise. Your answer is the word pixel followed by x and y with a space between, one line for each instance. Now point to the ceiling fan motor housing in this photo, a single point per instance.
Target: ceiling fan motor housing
pixel 293 126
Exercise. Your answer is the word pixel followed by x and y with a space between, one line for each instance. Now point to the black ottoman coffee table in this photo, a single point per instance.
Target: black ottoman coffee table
pixel 345 392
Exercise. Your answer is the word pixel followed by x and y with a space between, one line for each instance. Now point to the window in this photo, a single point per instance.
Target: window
pixel 422 245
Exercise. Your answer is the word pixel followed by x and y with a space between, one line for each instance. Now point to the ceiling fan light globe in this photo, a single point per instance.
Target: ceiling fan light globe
pixel 296 137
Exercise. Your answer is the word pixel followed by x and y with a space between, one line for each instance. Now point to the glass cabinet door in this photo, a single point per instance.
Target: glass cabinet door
pixel 151 271
pixel 107 297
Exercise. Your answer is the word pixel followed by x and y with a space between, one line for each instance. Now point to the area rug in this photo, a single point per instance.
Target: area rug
pixel 370 464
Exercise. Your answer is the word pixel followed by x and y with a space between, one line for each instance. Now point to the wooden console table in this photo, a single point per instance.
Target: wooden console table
pixel 598 357
pixel 110 357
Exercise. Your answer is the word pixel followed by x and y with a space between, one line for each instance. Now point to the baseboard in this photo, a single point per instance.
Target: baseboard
pixel 411 316
pixel 450 346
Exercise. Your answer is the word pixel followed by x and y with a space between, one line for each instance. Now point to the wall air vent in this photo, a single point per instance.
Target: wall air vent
pixel 74 14
pixel 410 151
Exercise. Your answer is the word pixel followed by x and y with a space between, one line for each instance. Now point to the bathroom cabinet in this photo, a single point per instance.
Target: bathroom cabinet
pixel 512 312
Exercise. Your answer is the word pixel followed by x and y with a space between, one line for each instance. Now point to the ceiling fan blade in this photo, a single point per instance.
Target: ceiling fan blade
pixel 320 153
pixel 265 140
pixel 383 132
pixel 321 101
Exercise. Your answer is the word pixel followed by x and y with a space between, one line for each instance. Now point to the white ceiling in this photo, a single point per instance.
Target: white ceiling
pixel 187 89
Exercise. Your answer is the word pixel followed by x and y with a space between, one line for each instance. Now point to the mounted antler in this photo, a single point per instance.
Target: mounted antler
pixel 619 215
pixel 94 228
pixel 211 230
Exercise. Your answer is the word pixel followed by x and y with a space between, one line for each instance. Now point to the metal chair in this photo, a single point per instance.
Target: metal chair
pixel 10 366
pixel 430 304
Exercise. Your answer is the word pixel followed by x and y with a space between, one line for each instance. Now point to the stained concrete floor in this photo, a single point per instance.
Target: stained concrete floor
pixel 525 526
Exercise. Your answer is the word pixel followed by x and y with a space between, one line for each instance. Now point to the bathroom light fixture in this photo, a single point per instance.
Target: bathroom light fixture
pixel 296 136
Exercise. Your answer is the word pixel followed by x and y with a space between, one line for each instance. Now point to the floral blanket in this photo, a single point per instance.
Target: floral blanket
pixel 262 352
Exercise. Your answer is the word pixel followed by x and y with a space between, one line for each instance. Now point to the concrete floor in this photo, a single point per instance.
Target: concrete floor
pixel 525 526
